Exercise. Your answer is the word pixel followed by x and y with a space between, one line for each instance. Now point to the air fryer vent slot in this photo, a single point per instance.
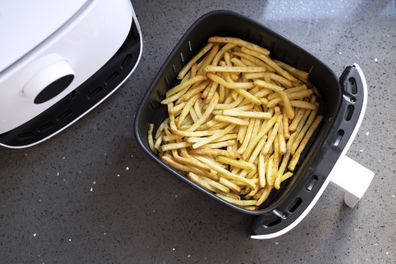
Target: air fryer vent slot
pixel 46 126
pixel 112 78
pixel 349 112
pixel 65 115
pixel 352 82
pixel 182 57
pixel 275 222
pixel 340 135
pixel 295 204
pixel 94 92
pixel 311 184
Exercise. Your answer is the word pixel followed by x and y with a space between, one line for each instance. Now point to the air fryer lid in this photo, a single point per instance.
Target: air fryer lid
pixel 29 24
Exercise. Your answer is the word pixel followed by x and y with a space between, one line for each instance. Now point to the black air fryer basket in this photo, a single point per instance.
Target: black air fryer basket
pixel 341 104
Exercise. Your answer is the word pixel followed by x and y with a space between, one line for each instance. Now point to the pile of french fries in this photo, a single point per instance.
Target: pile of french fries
pixel 238 121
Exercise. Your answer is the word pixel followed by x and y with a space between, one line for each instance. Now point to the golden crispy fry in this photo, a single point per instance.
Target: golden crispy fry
pixel 187 67
pixel 272 135
pixel 292 70
pixel 300 114
pixel 264 195
pixel 286 176
pixel 216 185
pixel 171 146
pixel 150 138
pixel 221 52
pixel 198 180
pixel 261 170
pixel 213 152
pixel 296 155
pixel 282 140
pixel 230 185
pixel 236 163
pixel 303 104
pixel 161 127
pixel 247 114
pixel 237 202
pixel 206 114
pixel 269 62
pixel 214 166
pixel 304 129
pixel 213 137
pixel 231 120
pixel 221 144
pixel 208 59
pixel 211 68
pixel 185 85
pixel 239 42
pixel 229 85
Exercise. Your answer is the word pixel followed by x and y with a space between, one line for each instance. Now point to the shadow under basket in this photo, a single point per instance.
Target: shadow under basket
pixel 337 99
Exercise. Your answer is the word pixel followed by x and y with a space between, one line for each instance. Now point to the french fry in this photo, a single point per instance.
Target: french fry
pixel 292 70
pixel 303 130
pixel 247 114
pixel 150 138
pixel 237 202
pixel 229 85
pixel 221 52
pixel 187 67
pixel 282 140
pixel 185 85
pixel 206 114
pixel 236 163
pixel 213 137
pixel 208 59
pixel 264 195
pixel 272 135
pixel 269 62
pixel 231 120
pixel 213 152
pixel 212 164
pixel 195 178
pixel 303 104
pixel 230 184
pixel 211 68
pixel 296 155
pixel 239 42
pixel 172 146
pixel 216 184
pixel 286 176
pixel 296 120
pixel 221 144
pixel 261 170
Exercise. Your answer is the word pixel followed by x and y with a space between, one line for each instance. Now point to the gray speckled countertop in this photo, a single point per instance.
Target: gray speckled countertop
pixel 90 194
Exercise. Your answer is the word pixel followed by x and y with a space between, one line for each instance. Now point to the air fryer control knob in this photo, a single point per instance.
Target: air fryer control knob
pixel 49 82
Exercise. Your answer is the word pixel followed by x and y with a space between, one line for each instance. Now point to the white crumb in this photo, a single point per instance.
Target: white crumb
pixel 387 252
pixel 367 133
pixel 34 234
pixel 94 182
pixel 361 150
pixel 63 157
pixel 118 175
pixel 91 190
pixel 69 239
pixel 276 243
pixel 340 52
pixel 393 196
pixel 375 59
pixel 189 256
pixel 127 168
pixel 57 174
pixel 173 249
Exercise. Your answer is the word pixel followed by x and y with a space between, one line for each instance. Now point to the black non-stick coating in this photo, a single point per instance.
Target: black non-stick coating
pixel 225 23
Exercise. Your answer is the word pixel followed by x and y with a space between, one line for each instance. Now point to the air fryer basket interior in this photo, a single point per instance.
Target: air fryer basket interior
pixel 224 23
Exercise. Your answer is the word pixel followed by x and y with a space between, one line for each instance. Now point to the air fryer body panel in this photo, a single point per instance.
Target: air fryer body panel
pixel 71 71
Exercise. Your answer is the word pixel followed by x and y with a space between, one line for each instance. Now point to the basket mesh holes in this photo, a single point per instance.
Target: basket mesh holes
pixel 293 207
pixel 340 135
pixel 182 57
pixel 349 112
pixel 190 46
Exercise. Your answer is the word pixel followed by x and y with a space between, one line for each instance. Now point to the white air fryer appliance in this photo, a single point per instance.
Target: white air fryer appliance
pixel 60 59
